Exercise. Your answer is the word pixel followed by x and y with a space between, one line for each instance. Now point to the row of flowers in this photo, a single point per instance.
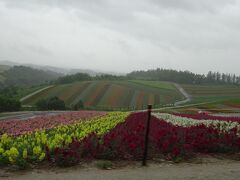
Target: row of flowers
pixel 33 146
pixel 18 127
pixel 224 126
pixel 126 141
pixel 206 116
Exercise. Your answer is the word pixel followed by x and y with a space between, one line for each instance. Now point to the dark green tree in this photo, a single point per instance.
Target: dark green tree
pixel 9 104
pixel 42 105
pixel 78 106
pixel 53 103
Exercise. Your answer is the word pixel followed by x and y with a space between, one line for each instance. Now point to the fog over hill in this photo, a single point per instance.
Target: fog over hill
pixel 122 36
pixel 61 70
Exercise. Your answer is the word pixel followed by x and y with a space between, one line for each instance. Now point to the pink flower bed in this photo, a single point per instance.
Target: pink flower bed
pixel 18 127
pixel 201 116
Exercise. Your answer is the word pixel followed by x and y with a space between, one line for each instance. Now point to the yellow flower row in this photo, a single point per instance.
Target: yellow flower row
pixel 31 146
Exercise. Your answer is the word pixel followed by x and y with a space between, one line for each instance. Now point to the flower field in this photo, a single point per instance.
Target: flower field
pixel 16 127
pixel 68 138
pixel 188 121
pixel 32 145
pixel 111 95
pixel 202 116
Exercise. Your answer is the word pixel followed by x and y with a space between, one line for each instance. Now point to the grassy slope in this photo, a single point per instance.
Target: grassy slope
pixel 112 94
pixel 156 84
pixel 212 90
pixel 219 98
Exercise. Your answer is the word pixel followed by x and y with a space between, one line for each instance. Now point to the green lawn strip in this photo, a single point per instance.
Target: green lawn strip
pixel 202 99
pixel 197 90
pixel 162 92
pixel 100 95
pixel 134 99
pixel 145 99
pixel 122 98
pixel 97 94
pixel 103 101
pixel 156 99
pixel 109 100
pixel 85 93
pixel 139 100
pixel 91 97
pixel 69 91
pixel 156 84
pixel 128 98
pixel 76 92
pixel 116 98
pixel 59 92
pixel 151 99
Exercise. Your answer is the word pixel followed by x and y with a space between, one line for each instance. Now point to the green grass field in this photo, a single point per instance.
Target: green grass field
pixel 212 93
pixel 112 94
pixel 212 98
pixel 212 90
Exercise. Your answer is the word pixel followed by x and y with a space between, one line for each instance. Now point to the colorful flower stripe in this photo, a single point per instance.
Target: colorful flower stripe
pixel 18 127
pixel 32 146
pixel 223 126
pixel 126 141
pixel 202 116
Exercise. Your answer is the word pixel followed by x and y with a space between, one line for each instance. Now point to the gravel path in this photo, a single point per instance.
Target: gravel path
pixel 34 93
pixel 184 93
pixel 216 170
pixel 29 114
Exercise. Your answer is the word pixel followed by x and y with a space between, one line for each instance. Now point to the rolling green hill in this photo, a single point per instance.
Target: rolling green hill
pixel 213 93
pixel 112 94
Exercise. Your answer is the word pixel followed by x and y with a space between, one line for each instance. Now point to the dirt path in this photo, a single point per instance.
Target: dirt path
pixel 211 170
pixel 34 93
pixel 28 114
pixel 184 93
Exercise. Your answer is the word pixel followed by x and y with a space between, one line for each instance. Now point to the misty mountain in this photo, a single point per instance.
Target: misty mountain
pixel 65 71
pixel 25 76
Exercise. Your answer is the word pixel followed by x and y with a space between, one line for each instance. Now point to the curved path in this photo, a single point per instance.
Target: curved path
pixel 184 93
pixel 34 93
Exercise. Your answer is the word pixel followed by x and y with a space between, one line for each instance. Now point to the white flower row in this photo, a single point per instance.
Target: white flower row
pixel 223 126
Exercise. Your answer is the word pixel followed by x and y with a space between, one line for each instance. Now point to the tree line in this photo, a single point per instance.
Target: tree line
pixel 186 77
pixel 86 77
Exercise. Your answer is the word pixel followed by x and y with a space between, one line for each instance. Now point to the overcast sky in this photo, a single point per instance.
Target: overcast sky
pixel 123 35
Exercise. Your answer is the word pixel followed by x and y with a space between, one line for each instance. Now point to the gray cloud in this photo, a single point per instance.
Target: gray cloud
pixel 123 35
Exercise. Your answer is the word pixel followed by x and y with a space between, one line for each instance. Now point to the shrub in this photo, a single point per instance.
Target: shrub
pixel 53 103
pixel 78 106
pixel 104 164
pixel 9 104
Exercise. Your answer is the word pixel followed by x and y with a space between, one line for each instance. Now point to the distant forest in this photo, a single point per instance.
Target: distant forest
pixel 22 76
pixel 186 77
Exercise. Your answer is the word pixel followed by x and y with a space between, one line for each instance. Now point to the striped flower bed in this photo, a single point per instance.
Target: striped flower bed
pixel 224 126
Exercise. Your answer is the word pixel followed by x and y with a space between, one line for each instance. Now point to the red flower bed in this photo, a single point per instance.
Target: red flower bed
pixel 126 140
pixel 205 116
pixel 17 127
